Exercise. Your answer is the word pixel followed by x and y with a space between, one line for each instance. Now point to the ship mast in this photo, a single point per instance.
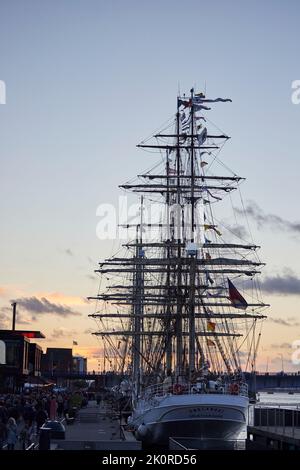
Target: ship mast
pixel 138 305
pixel 175 303
pixel 178 224
pixel 193 256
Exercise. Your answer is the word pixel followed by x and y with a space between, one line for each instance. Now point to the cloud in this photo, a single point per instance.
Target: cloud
pixel 286 284
pixel 237 230
pixel 34 306
pixel 283 322
pixel 58 297
pixel 281 346
pixel 273 221
pixel 4 318
pixel 63 333
pixel 68 252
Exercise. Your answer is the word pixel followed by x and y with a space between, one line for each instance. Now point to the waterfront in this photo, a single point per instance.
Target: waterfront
pixel 279 399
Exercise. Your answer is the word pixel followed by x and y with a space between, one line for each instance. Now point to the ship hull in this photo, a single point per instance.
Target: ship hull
pixel 219 417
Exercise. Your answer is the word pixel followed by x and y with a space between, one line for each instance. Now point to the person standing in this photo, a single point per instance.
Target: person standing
pixel 11 433
pixel 53 408
pixel 41 417
pixel 60 405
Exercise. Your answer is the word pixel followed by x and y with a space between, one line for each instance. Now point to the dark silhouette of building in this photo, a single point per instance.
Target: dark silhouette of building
pixel 79 364
pixel 19 358
pixel 35 359
pixel 57 361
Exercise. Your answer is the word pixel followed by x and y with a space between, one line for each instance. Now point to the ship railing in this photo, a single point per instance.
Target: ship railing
pixel 163 389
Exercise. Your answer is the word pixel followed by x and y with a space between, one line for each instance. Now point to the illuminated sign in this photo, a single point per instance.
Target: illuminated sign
pixel 27 334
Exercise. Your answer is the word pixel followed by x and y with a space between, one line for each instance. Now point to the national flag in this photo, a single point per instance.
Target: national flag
pixel 235 297
pixel 210 343
pixel 211 326
pixel 75 343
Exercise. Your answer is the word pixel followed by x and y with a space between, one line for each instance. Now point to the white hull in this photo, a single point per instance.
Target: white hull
pixel 202 416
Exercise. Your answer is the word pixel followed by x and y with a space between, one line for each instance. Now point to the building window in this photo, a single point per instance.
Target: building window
pixel 12 353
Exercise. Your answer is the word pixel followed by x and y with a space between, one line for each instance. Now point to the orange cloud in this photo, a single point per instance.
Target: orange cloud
pixel 63 298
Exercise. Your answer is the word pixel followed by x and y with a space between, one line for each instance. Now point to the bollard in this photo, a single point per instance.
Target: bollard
pixel 44 441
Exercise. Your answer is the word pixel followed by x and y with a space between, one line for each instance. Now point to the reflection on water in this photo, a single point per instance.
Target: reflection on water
pixel 282 399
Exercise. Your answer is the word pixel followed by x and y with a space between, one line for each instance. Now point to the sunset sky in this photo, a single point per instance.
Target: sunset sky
pixel 86 80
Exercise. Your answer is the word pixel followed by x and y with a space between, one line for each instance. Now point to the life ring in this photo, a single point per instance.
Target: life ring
pixel 234 389
pixel 177 389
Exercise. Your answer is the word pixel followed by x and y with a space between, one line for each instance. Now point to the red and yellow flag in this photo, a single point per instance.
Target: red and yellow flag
pixel 211 326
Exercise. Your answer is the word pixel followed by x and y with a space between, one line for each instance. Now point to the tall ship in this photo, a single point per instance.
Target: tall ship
pixel 180 312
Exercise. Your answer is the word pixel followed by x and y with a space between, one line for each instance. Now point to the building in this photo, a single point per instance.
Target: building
pixel 57 361
pixel 18 358
pixel 79 365
pixel 35 359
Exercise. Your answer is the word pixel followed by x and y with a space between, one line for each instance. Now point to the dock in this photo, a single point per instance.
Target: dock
pixel 96 428
pixel 274 428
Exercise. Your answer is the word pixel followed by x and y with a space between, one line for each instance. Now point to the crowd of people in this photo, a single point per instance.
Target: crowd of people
pixel 22 415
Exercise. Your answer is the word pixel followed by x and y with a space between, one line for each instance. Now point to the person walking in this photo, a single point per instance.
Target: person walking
pixel 11 433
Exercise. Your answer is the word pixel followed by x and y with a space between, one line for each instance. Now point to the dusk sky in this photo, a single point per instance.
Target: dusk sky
pixel 86 80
